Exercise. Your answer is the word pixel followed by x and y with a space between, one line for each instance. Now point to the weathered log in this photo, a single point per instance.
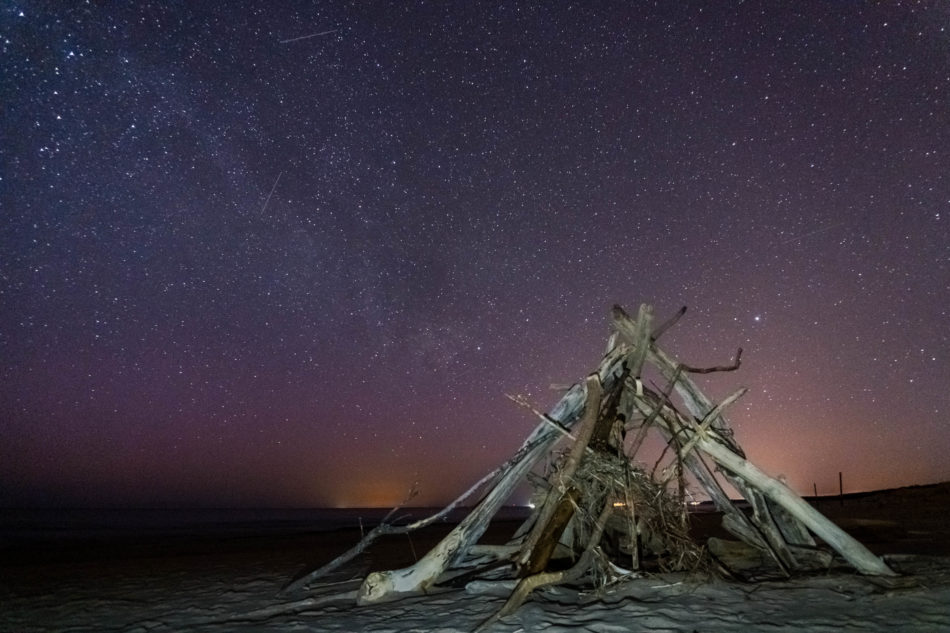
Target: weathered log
pixel 603 438
pixel 559 503
pixel 849 548
pixel 593 437
pixel 544 579
pixel 639 339
pixel 793 531
pixel 537 557
pixel 385 528
pixel 768 527
pixel 633 543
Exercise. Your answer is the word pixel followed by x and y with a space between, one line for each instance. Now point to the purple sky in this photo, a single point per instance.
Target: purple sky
pixel 253 255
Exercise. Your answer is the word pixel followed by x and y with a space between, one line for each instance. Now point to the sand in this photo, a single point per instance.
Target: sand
pixel 218 585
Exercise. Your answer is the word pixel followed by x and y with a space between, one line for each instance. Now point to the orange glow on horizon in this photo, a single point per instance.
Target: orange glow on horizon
pixel 370 494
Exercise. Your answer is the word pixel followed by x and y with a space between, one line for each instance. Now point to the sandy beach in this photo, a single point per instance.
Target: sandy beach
pixel 214 584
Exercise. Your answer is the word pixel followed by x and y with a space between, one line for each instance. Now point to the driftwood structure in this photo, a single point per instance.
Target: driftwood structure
pixel 601 514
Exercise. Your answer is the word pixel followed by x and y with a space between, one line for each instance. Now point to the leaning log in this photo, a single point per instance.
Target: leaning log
pixel 848 547
pixel 559 504
pixel 545 579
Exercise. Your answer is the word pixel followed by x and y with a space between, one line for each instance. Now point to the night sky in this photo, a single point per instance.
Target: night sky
pixel 278 254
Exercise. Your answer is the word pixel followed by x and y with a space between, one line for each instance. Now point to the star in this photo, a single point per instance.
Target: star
pixel 246 255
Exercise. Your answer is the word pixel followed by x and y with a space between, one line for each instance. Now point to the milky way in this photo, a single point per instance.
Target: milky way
pixel 254 255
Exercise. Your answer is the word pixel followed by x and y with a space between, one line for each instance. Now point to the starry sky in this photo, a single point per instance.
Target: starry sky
pixel 294 254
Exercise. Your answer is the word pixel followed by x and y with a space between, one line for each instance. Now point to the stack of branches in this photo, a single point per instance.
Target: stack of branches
pixel 600 507
pixel 649 519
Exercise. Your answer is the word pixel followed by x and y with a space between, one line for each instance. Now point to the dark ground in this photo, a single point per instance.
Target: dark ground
pixel 902 521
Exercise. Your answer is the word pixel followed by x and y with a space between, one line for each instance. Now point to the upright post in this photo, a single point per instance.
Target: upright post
pixel 840 488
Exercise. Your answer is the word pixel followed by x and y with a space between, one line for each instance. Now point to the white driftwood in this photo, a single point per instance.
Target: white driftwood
pixel 494 552
pixel 849 548
pixel 382 529
pixel 566 472
pixel 384 586
pixel 640 339
pixel 705 424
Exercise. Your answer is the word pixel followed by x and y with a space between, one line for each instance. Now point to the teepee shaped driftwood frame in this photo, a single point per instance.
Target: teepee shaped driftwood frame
pixel 597 415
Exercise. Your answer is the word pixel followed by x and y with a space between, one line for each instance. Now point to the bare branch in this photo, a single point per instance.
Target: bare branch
pixel 709 370
pixel 658 332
